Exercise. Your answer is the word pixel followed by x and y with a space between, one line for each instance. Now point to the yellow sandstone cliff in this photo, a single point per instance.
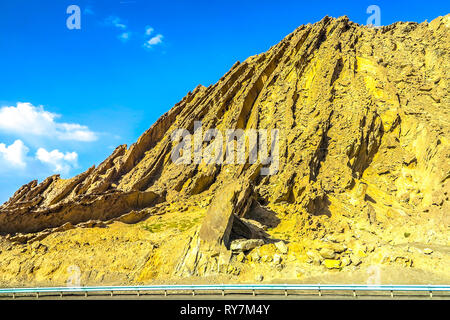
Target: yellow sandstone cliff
pixel 362 181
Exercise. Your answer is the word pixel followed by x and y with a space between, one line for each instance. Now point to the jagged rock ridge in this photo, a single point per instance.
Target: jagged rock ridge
pixel 364 119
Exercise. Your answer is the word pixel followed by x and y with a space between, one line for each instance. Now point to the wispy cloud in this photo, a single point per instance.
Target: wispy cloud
pixel 88 10
pixel 115 22
pixel 125 36
pixel 148 30
pixel 149 40
pixel 153 41
pixel 25 119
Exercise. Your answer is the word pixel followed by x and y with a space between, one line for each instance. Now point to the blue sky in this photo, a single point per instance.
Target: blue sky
pixel 68 97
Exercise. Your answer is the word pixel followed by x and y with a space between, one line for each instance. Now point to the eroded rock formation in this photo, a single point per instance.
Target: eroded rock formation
pixel 363 116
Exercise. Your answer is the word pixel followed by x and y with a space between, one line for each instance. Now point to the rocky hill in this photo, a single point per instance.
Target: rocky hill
pixel 357 181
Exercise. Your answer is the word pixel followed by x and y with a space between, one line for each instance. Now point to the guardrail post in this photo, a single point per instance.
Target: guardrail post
pixel 354 293
pixel 392 293
pixel 85 294
pixel 193 292
pixel 37 295
pixel 138 293
pixel 165 293
pixel 61 294
pixel 431 294
pixel 254 293
pixel 112 293
pixel 14 295
pixel 285 293
pixel 223 292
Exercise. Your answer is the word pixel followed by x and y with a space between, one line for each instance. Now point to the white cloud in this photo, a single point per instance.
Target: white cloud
pixel 148 30
pixel 115 21
pixel 26 119
pixel 60 162
pixel 125 36
pixel 154 41
pixel 15 154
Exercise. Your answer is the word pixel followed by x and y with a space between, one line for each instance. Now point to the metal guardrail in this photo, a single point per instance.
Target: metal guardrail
pixel 230 288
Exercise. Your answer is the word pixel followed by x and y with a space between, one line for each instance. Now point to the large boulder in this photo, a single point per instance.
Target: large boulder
pixel 230 203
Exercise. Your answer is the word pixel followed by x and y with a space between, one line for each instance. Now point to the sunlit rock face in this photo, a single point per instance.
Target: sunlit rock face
pixel 361 172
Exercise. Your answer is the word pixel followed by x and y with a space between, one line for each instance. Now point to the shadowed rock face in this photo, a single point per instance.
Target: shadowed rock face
pixel 357 108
